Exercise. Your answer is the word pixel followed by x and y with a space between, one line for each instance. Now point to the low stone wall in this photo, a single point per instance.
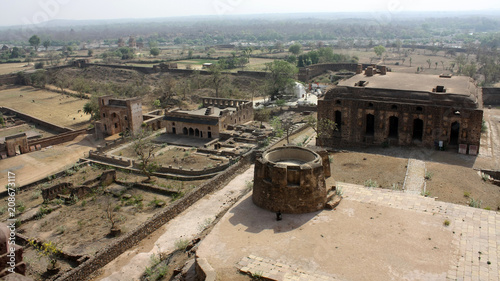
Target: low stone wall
pixel 149 188
pixel 112 144
pixel 304 108
pixel 61 138
pixel 187 172
pixel 107 159
pixel 133 237
pixel 50 193
pixel 39 122
pixel 491 96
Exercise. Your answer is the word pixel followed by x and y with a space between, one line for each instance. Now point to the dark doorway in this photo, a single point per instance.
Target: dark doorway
pixel 196 133
pixel 209 135
pixel 201 134
pixel 191 132
pixel 173 131
pixel 393 127
pixel 185 131
pixel 418 129
pixel 454 133
pixel 370 124
pixel 338 119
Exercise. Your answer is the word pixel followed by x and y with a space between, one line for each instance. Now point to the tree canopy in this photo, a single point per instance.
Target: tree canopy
pixel 35 42
pixel 281 75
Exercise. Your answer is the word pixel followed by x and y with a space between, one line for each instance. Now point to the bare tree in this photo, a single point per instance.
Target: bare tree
pixel 145 150
pixel 323 128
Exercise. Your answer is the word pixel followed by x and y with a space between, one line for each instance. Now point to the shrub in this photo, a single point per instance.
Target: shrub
pixel 475 203
pixel 371 183
pixel 181 244
pixel 466 194
pixel 446 223
pixel 35 194
pixel 428 175
pixel 39 65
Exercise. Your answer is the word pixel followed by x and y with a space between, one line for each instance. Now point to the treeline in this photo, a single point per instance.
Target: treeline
pixel 210 32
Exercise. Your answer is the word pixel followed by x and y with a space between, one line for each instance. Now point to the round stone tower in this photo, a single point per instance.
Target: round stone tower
pixel 290 180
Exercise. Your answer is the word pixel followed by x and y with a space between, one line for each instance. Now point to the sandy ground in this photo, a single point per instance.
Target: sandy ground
pixel 37 165
pixel 358 241
pixel 6 68
pixel 49 106
pixel 132 263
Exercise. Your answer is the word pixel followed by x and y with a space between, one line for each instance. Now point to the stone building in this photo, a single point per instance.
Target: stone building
pixel 379 107
pixel 291 180
pixel 215 116
pixel 120 115
pixel 14 144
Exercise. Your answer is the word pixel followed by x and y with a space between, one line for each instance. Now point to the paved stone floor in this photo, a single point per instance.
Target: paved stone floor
pixel 476 237
pixel 415 177
pixel 478 241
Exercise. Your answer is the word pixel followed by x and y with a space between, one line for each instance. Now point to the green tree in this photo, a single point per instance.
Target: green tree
pixel 15 53
pixel 90 53
pixel 34 41
pixel 39 78
pixel 46 44
pixel 280 103
pixel 429 62
pixel 92 108
pixel 295 49
pixel 262 115
pixel 379 50
pixel 281 75
pixel 154 52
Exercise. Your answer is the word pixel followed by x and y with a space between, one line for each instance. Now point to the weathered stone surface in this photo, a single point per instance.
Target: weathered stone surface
pixel 289 180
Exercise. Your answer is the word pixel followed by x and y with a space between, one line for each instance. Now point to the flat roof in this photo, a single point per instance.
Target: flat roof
pixel 203 110
pixel 458 85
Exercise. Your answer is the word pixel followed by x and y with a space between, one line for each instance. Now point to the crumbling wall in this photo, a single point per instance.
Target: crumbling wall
pixel 61 138
pixel 32 119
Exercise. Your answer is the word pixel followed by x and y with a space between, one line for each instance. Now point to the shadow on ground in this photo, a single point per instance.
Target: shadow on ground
pixel 256 219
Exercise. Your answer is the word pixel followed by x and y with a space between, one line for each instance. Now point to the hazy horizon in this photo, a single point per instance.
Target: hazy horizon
pixel 14 13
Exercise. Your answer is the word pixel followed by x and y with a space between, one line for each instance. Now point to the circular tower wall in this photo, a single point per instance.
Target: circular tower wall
pixel 289 180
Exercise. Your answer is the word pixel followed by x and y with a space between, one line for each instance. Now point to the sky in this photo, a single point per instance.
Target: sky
pixel 21 12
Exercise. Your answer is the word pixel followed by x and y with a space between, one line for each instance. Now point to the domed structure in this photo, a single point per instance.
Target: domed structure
pixel 291 180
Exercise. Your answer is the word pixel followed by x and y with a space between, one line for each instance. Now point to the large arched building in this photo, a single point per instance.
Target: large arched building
pixel 378 107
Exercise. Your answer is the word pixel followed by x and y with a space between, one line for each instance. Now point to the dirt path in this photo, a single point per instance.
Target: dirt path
pixel 37 165
pixel 132 263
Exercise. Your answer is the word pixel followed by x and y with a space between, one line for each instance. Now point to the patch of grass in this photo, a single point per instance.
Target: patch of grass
pixel 206 223
pixel 181 244
pixel 156 202
pixel 395 186
pixel 2 210
pixel 36 194
pixel 485 177
pixel 426 193
pixel 428 175
pixel 487 208
pixel 371 183
pixel 58 201
pixel 446 223
pixel 42 212
pixel 20 207
pixel 257 275
pixel 466 194
pixel 177 196
pixel 84 202
pixel 484 127
pixel 60 229
pixel 475 203
pixel 339 191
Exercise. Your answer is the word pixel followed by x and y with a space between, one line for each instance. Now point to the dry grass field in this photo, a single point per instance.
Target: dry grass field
pixel 6 68
pixel 49 106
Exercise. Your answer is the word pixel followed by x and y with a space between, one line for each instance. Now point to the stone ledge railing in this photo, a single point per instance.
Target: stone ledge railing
pixel 112 251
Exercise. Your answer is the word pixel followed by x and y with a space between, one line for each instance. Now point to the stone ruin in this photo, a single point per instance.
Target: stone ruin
pixel 7 251
pixel 291 180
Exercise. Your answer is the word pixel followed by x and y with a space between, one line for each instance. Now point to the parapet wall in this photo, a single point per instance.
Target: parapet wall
pixel 133 237
pixel 35 120
pixel 306 73
pixel 289 180
pixel 61 138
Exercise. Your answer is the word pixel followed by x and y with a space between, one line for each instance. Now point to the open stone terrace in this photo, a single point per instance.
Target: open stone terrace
pixel 374 234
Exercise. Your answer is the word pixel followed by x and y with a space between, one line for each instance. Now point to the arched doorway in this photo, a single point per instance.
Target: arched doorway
pixel 185 131
pixel 454 133
pixel 370 124
pixel 393 127
pixel 418 129
pixel 191 132
pixel 196 133
pixel 173 131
